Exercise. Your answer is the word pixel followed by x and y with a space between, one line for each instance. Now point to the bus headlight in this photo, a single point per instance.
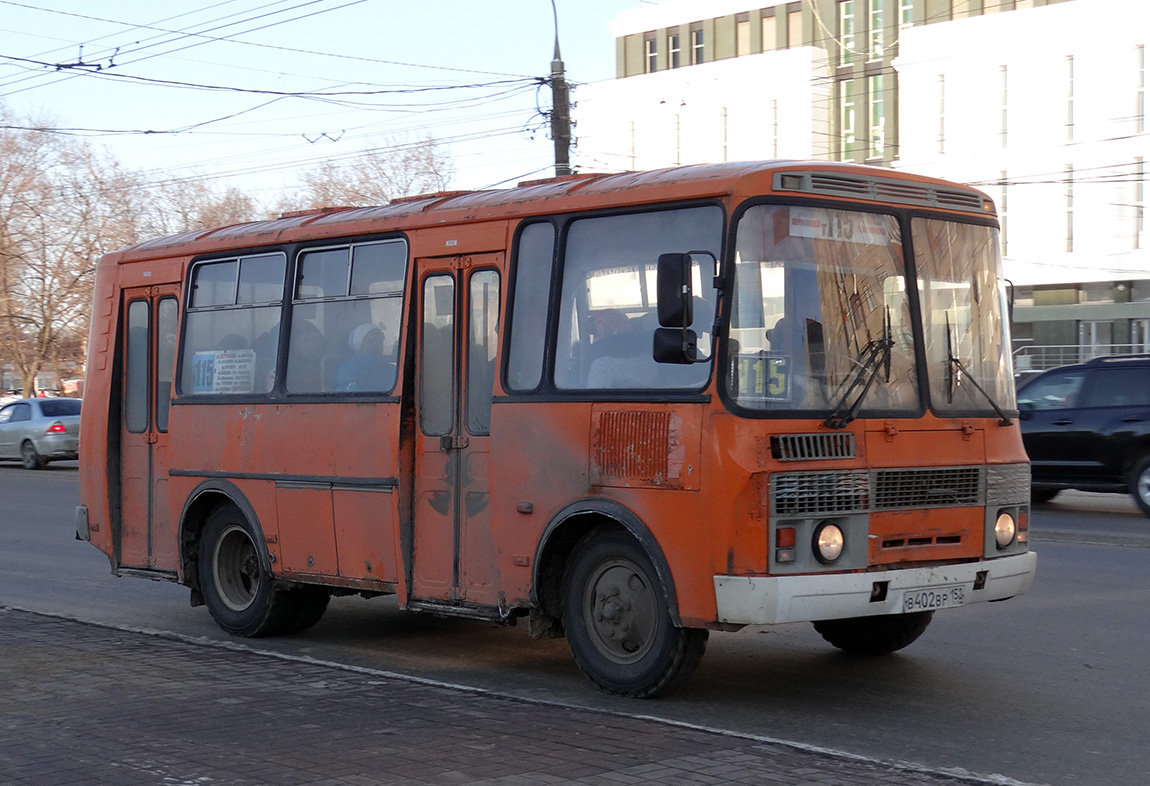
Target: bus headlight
pixel 828 542
pixel 1004 530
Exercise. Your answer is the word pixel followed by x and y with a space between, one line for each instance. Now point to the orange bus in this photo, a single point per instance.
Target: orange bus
pixel 630 408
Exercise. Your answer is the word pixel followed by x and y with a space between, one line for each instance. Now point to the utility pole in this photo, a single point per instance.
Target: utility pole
pixel 560 108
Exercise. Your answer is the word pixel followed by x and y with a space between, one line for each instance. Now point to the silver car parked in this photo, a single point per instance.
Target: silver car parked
pixel 35 431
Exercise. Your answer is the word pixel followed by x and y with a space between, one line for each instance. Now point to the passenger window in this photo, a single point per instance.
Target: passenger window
pixel 1119 387
pixel 483 339
pixel 233 323
pixel 15 413
pixel 533 258
pixel 437 357
pixel 346 318
pixel 166 334
pixel 1057 391
pixel 136 368
pixel 608 315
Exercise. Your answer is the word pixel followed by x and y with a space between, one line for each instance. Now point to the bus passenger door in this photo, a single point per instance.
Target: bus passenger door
pixel 150 319
pixel 454 552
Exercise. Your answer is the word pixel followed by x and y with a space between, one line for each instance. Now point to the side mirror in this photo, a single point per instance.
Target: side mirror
pixel 675 345
pixel 673 282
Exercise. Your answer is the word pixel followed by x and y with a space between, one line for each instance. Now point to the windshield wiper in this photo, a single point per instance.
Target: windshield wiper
pixel 873 357
pixel 954 367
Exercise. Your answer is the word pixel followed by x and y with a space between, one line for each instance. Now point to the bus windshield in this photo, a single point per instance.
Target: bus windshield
pixel 820 317
pixel 964 316
pixel 820 314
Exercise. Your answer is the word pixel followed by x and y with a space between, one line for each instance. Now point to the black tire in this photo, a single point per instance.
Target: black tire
pixel 872 636
pixel 236 579
pixel 307 607
pixel 617 622
pixel 30 457
pixel 1140 484
pixel 1038 495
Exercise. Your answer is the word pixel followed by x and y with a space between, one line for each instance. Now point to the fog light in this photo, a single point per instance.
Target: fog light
pixel 828 542
pixel 1004 530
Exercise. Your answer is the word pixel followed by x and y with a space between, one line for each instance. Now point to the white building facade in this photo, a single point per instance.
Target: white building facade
pixel 1040 103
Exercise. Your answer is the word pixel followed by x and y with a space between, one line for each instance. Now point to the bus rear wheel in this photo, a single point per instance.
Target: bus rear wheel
pixel 307 607
pixel 617 622
pixel 236 579
pixel 872 636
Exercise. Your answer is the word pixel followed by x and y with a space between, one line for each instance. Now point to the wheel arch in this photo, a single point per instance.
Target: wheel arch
pixel 564 532
pixel 204 499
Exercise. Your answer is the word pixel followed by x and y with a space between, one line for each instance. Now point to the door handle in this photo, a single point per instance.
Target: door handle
pixel 1133 419
pixel 1063 422
pixel 449 442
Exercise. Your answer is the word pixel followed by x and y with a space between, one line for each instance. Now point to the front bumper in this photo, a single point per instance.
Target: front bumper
pixel 767 600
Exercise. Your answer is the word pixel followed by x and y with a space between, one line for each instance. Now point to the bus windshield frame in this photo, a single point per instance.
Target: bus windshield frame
pixel 831 316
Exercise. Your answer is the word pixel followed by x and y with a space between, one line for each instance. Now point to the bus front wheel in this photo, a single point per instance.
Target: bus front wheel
pixel 871 636
pixel 236 580
pixel 617 622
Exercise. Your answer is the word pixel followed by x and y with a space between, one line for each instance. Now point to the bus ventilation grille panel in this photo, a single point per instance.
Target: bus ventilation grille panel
pixel 878 189
pixel 813 447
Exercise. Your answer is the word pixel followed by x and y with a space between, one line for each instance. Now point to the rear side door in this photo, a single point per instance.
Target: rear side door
pixel 1114 420
pixel 454 552
pixel 13 418
pixel 150 320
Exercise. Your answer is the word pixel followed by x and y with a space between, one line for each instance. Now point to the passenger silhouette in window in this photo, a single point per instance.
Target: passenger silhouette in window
pixel 368 368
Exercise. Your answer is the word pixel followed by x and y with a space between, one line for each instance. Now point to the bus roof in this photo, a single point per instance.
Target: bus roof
pixel 580 192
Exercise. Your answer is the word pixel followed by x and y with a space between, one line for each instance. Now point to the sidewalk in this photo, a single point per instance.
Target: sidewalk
pixel 81 704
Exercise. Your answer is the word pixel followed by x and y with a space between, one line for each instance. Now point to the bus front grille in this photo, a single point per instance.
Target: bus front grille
pixel 795 494
pixel 928 488
pixel 818 493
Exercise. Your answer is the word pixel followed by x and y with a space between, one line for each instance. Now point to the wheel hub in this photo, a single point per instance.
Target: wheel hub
pixel 623 615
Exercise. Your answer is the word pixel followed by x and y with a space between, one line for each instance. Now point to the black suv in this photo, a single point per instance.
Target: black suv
pixel 1087 427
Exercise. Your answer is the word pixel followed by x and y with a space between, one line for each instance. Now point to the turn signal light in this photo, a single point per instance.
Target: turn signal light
pixel 785 544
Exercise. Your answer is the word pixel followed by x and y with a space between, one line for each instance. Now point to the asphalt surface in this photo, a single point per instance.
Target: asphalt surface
pixel 87 704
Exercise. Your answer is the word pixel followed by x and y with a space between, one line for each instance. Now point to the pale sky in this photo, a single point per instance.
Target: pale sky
pixel 122 67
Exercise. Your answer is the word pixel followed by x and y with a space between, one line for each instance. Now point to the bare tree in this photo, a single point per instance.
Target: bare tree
pixel 185 205
pixel 62 206
pixel 395 169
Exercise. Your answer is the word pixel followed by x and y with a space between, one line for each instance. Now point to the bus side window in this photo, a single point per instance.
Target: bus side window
pixel 610 298
pixel 529 308
pixel 233 319
pixel 345 318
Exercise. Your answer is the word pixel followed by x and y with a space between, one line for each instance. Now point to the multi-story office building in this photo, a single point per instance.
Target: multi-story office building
pixel 1038 102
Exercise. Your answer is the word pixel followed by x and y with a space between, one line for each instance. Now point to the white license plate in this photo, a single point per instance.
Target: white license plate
pixel 933 598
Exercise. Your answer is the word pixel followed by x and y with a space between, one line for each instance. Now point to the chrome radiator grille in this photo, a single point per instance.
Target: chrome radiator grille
pixel 859 491
pixel 804 493
pixel 928 488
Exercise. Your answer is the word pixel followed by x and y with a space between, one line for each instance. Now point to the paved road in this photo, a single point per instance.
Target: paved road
pixel 126 708
pixel 1038 689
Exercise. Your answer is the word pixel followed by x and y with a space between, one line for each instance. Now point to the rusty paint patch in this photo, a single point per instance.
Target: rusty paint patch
pixel 641 448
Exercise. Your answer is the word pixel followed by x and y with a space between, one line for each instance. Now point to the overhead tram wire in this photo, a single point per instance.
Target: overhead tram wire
pixel 208 39
pixel 143 44
pixel 273 47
